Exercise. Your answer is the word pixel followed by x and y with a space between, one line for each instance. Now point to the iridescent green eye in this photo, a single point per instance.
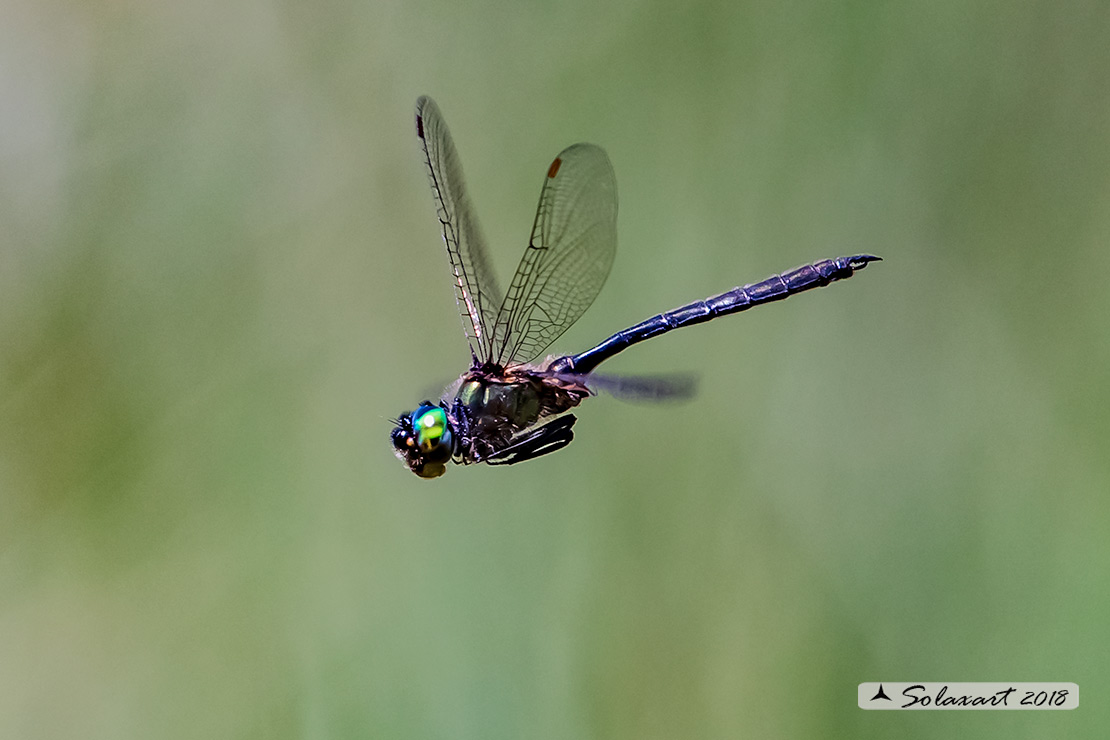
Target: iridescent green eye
pixel 431 429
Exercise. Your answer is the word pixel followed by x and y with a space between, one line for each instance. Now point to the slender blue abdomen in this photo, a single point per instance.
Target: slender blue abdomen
pixel 775 288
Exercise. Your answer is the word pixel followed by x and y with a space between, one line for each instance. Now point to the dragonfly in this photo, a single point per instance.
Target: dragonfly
pixel 510 406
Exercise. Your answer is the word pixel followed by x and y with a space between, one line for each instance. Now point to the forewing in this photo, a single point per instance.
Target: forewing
pixel 475 287
pixel 574 239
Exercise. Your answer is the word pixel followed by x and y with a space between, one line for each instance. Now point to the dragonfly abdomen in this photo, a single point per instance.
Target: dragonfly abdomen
pixel 774 288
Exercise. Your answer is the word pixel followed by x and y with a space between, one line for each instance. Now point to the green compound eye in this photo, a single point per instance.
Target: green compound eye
pixel 431 429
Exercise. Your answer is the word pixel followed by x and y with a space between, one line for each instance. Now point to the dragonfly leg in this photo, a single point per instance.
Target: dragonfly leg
pixel 550 437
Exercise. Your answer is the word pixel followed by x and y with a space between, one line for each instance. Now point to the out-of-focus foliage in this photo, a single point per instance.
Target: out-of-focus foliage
pixel 220 274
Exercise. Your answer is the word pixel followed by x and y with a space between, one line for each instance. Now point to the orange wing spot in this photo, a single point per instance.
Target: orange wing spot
pixel 554 168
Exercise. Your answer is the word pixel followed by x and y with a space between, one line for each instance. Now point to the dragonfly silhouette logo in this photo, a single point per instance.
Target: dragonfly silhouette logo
pixel 880 694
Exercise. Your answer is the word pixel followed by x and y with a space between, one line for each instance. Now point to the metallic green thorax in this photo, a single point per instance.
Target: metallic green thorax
pixel 494 406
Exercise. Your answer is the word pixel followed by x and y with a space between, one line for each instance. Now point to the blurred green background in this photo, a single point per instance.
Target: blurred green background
pixel 220 274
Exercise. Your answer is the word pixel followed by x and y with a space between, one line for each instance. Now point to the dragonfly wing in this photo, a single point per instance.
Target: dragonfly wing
pixel 574 239
pixel 651 388
pixel 475 287
pixel 638 388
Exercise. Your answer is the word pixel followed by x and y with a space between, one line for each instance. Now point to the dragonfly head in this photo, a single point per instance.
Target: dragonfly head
pixel 424 440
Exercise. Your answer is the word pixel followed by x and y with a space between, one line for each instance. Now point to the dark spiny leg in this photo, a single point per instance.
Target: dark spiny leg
pixel 468 450
pixel 550 437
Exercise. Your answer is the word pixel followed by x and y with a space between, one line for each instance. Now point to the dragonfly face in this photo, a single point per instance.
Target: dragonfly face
pixel 506 409
pixel 424 440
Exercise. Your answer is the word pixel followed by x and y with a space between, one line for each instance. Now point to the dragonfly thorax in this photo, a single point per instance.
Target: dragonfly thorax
pixel 492 406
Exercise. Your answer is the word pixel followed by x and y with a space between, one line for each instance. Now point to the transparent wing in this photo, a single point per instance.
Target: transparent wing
pixel 650 388
pixel 475 287
pixel 573 242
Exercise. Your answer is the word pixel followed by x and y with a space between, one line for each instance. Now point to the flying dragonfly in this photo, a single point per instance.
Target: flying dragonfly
pixel 508 408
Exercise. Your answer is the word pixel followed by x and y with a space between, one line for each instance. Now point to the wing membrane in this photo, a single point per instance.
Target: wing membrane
pixel 574 239
pixel 475 287
pixel 648 388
